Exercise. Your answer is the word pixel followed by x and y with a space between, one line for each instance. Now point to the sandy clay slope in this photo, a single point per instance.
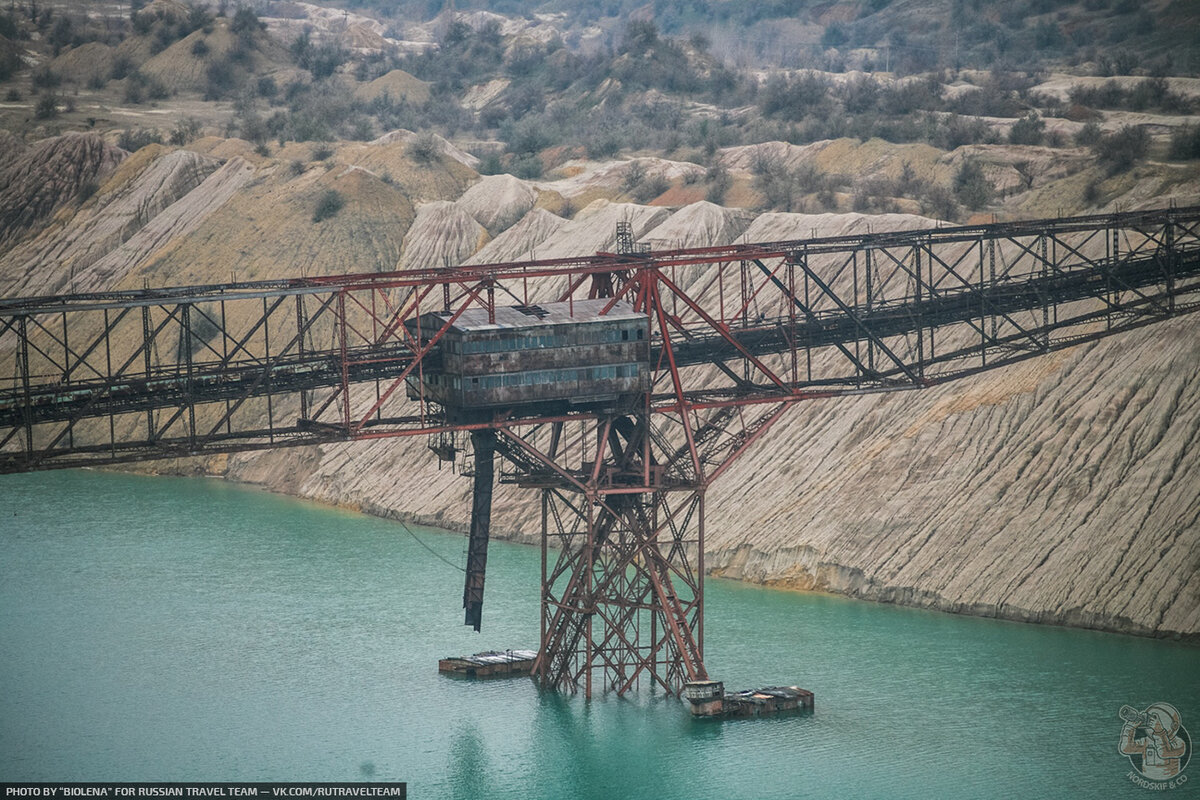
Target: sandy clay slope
pixel 1061 490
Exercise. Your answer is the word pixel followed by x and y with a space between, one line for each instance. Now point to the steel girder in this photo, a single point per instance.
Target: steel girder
pixel 738 334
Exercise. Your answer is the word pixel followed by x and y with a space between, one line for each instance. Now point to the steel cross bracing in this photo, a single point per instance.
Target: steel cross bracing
pixel 737 334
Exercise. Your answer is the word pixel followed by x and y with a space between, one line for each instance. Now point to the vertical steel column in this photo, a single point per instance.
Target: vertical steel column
pixel 807 328
pixel 992 282
pixel 300 330
pixel 700 575
pixel 622 602
pixel 269 370
pixel 225 360
pixel 932 295
pixel 544 600
pixel 854 303
pixel 745 301
pixel 982 310
pixel 112 420
pixel 587 608
pixel 185 315
pixel 1169 265
pixel 867 258
pixel 146 339
pixel 484 444
pixel 1045 295
pixel 1114 258
pixel 343 352
pixel 23 331
pixel 916 255
pixel 794 351
pixel 66 343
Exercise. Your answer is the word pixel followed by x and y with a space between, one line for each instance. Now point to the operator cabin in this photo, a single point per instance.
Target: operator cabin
pixel 535 360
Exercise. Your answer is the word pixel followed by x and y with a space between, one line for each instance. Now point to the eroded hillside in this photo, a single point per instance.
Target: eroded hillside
pixel 1060 490
pixel 180 145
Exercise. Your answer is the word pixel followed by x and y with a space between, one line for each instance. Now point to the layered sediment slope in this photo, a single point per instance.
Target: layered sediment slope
pixel 39 180
pixel 62 257
pixel 1060 490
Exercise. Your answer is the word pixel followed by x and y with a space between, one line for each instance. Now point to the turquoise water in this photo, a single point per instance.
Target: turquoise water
pixel 176 629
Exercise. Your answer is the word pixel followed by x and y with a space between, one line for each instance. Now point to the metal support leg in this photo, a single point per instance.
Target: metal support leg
pixel 484 443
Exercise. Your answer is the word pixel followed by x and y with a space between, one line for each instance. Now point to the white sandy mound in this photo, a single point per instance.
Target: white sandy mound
pixel 701 224
pixel 46 263
pixel 498 201
pixel 613 174
pixel 442 235
pixel 781 226
pixel 521 242
pixel 402 135
pixel 174 223
pixel 594 228
pixel 397 85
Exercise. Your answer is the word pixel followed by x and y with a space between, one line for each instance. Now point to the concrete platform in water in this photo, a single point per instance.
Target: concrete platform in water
pixel 492 664
pixel 709 699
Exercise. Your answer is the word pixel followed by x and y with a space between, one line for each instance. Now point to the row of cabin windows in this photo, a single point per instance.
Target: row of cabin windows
pixel 543 377
pixel 580 336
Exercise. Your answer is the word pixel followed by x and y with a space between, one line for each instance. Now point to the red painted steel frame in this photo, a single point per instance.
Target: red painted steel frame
pixel 754 329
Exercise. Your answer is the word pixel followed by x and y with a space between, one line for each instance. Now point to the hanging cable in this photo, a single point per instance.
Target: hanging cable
pixel 435 553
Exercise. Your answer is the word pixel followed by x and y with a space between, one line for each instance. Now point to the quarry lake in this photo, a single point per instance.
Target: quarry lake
pixel 158 629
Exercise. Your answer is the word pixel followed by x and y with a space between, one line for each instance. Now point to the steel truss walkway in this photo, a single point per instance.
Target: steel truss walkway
pixel 738 334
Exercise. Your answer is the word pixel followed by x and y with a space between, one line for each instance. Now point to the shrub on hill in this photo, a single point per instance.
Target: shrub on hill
pixel 1088 135
pixel 971 186
pixel 783 187
pixel 718 180
pixel 423 148
pixel 1185 143
pixel 1029 129
pixel 320 60
pixel 185 130
pixel 794 98
pixel 8 26
pixel 328 205
pixel 245 23
pixel 938 202
pixel 140 87
pixel 10 62
pixel 47 106
pixel 46 78
pixel 133 139
pixel 121 67
pixel 1148 94
pixel 1119 151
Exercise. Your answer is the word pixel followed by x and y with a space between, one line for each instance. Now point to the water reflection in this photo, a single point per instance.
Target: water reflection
pixel 470 773
pixel 260 638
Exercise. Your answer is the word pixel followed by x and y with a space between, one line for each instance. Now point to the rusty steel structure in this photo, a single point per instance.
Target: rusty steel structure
pixel 735 335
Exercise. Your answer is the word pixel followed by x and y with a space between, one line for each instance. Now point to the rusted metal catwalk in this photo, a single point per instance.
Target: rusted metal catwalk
pixel 737 334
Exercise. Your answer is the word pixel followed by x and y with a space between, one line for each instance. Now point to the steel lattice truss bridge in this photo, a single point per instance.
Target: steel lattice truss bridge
pixel 620 385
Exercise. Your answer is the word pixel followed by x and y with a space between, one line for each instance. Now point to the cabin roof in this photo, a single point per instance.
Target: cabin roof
pixel 540 315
